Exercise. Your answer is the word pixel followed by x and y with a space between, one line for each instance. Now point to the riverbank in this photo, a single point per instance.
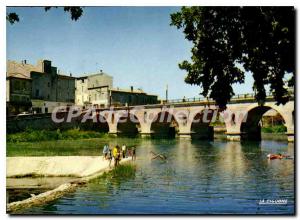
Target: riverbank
pixel 48 135
pixel 85 168
pixel 83 147
pixel 77 134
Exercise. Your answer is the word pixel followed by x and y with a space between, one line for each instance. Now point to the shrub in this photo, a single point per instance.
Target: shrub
pixel 274 129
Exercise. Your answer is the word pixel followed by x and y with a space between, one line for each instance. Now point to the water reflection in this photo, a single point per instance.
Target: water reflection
pixel 197 178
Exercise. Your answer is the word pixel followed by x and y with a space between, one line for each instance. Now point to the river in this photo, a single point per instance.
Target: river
pixel 199 177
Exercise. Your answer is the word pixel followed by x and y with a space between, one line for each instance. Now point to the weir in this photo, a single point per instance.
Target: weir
pixel 84 168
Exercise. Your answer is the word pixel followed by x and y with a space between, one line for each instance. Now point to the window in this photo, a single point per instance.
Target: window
pixel 17 85
pixel 48 96
pixel 48 84
pixel 37 93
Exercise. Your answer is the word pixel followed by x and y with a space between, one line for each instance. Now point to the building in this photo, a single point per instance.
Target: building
pixel 121 97
pixel 48 89
pixel 97 90
pixel 93 89
pixel 18 95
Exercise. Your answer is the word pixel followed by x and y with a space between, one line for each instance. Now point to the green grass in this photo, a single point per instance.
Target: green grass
pixel 46 135
pixel 121 172
pixel 82 147
pixel 274 129
pixel 124 171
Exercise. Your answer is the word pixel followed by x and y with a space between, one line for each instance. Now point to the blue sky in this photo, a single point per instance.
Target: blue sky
pixel 136 45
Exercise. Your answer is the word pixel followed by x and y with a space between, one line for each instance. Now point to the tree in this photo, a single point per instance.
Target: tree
pixel 75 13
pixel 261 40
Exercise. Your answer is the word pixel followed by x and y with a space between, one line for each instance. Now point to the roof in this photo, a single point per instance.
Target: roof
pixel 17 75
pixel 93 74
pixel 133 91
pixel 65 76
pixel 98 87
pixel 81 77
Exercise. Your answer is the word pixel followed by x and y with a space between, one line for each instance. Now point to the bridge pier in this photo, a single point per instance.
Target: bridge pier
pixel 113 130
pixel 184 135
pixel 145 135
pixel 113 134
pixel 234 136
pixel 290 137
pixel 290 127
pixel 290 133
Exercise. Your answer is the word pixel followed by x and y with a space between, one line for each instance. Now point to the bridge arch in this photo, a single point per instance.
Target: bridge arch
pixel 97 122
pixel 164 125
pixel 128 124
pixel 250 126
pixel 200 127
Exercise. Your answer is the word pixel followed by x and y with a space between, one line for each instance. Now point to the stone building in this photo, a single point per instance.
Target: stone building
pixel 97 90
pixel 93 89
pixel 121 97
pixel 18 96
pixel 48 89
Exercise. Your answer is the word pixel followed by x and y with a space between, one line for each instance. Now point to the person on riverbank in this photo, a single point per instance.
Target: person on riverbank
pixel 105 151
pixel 133 153
pixel 116 155
pixel 109 156
pixel 124 149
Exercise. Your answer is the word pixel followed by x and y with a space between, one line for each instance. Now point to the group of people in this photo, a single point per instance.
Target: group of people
pixel 118 153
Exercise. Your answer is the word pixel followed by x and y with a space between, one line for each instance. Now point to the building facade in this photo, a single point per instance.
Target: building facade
pixel 97 90
pixel 48 89
pixel 121 97
pixel 93 89
pixel 18 97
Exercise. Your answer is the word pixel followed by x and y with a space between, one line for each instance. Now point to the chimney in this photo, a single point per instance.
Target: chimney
pixel 71 74
pixel 131 88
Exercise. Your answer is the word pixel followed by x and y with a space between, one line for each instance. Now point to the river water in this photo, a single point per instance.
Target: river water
pixel 198 177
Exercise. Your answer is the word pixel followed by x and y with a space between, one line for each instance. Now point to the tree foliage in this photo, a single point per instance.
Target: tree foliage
pixel 229 41
pixel 75 12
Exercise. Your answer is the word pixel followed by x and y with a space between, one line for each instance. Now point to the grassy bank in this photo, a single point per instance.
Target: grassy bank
pixel 80 147
pixel 46 135
pixel 121 172
pixel 274 129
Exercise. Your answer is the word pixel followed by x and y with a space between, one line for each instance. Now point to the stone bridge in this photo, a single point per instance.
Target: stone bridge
pixel 192 118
